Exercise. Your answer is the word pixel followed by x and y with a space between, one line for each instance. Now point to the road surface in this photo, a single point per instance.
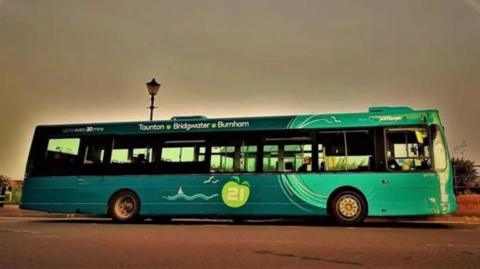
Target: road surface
pixel 96 243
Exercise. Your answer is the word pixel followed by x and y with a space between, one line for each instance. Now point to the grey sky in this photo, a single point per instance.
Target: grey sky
pixel 87 61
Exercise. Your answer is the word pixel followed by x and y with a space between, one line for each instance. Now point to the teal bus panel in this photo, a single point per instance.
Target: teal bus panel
pixel 263 195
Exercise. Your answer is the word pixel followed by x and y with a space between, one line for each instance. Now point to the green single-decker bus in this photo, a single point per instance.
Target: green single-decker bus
pixel 389 161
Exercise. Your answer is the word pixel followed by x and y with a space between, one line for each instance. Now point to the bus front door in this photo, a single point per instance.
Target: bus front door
pixel 89 195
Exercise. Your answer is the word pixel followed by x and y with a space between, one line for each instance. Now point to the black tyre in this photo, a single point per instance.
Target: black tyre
pixel 124 207
pixel 348 208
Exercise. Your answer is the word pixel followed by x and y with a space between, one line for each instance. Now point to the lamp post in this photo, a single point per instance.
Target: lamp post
pixel 152 88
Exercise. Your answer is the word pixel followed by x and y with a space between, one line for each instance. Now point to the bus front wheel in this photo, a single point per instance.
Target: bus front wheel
pixel 348 208
pixel 124 207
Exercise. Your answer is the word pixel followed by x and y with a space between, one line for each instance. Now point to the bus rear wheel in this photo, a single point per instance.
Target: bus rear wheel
pixel 124 207
pixel 348 208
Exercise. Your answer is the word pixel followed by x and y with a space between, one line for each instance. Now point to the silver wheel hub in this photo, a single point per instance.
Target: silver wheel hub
pixel 348 206
pixel 125 206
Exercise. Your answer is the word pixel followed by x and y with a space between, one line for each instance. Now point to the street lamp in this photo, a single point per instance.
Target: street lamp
pixel 152 88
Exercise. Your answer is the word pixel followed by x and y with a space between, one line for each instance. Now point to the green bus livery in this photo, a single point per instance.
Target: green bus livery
pixel 389 161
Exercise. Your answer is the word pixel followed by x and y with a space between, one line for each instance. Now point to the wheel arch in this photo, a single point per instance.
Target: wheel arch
pixel 345 188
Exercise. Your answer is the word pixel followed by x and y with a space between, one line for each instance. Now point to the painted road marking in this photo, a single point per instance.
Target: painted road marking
pixel 453 245
pixel 18 231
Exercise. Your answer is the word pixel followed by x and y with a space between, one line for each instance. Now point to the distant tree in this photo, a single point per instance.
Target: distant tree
pixel 459 150
pixel 466 176
pixel 15 188
pixel 4 180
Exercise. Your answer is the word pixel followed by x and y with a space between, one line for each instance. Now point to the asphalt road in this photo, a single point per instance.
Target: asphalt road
pixel 90 243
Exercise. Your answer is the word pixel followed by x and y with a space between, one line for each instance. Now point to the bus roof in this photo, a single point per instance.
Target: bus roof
pixel 376 116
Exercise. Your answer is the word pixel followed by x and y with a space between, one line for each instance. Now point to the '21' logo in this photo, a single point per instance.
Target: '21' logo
pixel 235 193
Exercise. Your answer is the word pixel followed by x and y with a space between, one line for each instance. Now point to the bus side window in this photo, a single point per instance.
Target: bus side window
pixel 360 151
pixel 222 159
pixel 94 153
pixel 128 150
pixel 232 155
pixel 298 157
pixel 183 154
pixel 183 157
pixel 439 149
pixel 407 149
pixel 321 157
pixel 345 151
pixel 61 157
pixel 248 158
pixel 271 160
pixel 289 155
pixel 332 155
pixel 62 150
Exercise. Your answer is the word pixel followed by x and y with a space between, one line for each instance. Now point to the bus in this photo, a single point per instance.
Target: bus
pixel 389 161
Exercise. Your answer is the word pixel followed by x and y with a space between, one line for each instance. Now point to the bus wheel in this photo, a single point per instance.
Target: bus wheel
pixel 124 207
pixel 348 208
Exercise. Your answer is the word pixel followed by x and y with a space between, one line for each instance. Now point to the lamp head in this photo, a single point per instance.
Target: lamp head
pixel 153 87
